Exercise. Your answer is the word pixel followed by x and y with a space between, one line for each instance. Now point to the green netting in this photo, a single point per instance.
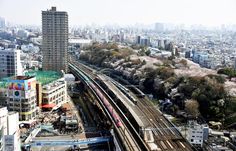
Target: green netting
pixel 45 77
pixel 3 82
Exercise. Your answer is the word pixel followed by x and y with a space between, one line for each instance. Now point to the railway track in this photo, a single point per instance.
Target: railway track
pixel 166 135
pixel 123 131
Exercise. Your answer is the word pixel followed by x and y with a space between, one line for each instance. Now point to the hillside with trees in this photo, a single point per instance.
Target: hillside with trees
pixel 186 84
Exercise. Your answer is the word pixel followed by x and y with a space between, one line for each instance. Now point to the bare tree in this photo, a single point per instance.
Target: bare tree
pixel 191 107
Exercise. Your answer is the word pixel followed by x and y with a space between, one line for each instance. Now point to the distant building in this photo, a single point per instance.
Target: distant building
pixel 54 94
pixel 167 44
pixel 235 63
pixel 2 23
pixel 22 97
pixel 22 33
pixel 187 54
pixel 81 42
pixel 161 44
pixel 159 27
pixel 55 40
pixel 9 127
pixel 143 41
pixel 197 133
pixel 138 39
pixel 10 63
pixel 202 58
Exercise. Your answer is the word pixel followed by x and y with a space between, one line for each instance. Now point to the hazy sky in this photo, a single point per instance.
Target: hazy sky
pixel 208 12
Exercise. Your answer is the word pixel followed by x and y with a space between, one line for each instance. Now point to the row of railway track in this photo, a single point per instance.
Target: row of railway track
pixel 123 131
pixel 166 136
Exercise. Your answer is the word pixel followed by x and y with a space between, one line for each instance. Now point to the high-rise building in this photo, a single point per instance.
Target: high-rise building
pixel 22 97
pixel 55 39
pixel 10 64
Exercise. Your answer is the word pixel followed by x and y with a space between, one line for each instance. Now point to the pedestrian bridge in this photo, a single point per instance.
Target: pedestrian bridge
pixel 88 141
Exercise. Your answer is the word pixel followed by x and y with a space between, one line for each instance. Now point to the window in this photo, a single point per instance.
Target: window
pixel 23 117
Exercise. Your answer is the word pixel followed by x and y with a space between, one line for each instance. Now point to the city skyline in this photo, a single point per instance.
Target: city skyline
pixel 129 12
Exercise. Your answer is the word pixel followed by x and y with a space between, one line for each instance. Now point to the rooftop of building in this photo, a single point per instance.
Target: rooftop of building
pixel 45 77
pixel 12 50
pixel 53 85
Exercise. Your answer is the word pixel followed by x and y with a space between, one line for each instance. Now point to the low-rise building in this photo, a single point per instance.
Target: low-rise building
pixel 197 133
pixel 9 130
pixel 54 94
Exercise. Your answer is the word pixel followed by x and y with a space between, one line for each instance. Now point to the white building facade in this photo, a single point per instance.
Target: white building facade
pixel 9 130
pixel 10 64
pixel 54 94
pixel 197 133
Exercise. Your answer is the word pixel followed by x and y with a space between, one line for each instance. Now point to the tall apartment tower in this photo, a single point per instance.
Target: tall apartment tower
pixel 55 40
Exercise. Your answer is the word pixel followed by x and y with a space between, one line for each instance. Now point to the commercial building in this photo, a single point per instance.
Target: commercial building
pixel 55 40
pixel 44 78
pixel 22 96
pixel 54 94
pixel 10 63
pixel 9 130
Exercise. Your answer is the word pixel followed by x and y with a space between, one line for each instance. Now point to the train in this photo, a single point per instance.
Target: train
pixel 137 91
pixel 125 91
pixel 106 103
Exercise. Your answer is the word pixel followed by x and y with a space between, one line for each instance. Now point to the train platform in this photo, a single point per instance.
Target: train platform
pixel 136 113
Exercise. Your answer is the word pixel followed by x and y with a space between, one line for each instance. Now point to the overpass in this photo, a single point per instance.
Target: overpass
pixel 62 142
